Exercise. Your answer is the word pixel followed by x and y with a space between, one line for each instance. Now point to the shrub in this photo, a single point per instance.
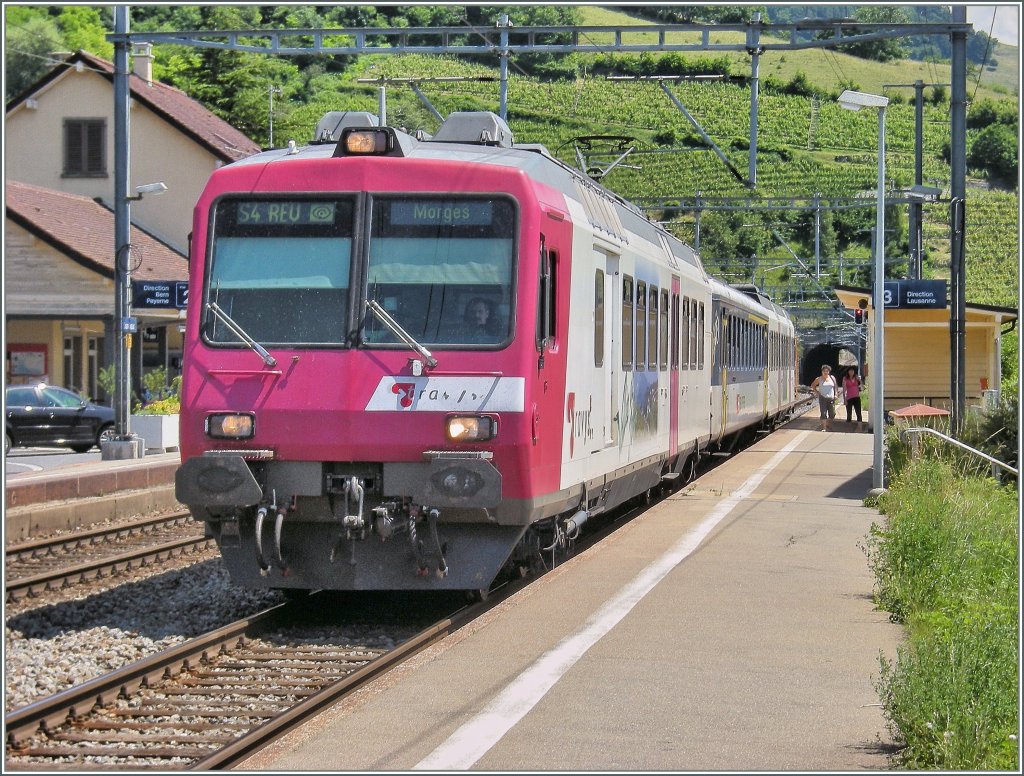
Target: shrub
pixel 164 399
pixel 106 379
pixel 946 565
pixel 995 150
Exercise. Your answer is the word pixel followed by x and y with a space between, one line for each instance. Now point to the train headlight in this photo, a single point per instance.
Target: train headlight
pixel 367 141
pixel 231 425
pixel 471 428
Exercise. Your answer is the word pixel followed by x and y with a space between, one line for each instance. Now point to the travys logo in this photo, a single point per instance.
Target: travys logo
pixel 448 393
pixel 405 392
pixel 579 421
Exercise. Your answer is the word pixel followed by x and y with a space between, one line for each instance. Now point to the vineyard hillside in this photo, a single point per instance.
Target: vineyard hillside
pixel 808 146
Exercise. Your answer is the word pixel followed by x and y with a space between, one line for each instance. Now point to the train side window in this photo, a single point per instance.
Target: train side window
pixel 742 343
pixel 734 327
pixel 675 331
pixel 751 345
pixel 599 318
pixel 686 333
pixel 663 312
pixel 694 343
pixel 700 338
pixel 627 322
pixel 652 328
pixel 641 323
pixel 747 345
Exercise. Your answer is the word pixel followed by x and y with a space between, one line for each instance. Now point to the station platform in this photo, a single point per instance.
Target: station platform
pixel 81 494
pixel 730 627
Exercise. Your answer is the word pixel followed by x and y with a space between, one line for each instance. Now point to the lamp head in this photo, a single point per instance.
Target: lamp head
pixel 152 188
pixel 851 100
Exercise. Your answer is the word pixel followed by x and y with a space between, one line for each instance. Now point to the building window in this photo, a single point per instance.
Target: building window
pixel 85 148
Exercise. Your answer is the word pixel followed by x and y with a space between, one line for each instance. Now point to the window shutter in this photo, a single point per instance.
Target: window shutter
pixel 85 147
pixel 73 162
pixel 95 163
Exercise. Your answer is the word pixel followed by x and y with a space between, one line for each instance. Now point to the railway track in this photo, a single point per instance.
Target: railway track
pixel 215 700
pixel 210 702
pixel 33 567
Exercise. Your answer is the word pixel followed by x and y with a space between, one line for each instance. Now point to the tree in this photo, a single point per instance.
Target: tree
pixel 30 39
pixel 85 30
pixel 885 50
pixel 995 149
pixel 985 112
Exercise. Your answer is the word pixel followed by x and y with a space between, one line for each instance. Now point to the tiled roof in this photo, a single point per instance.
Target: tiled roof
pixel 83 229
pixel 177 107
pixel 173 105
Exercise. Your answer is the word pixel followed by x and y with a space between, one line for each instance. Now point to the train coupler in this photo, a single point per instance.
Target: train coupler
pixel 351 508
pixel 424 561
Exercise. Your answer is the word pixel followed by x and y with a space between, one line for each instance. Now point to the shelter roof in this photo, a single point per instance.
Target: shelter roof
pixel 918 411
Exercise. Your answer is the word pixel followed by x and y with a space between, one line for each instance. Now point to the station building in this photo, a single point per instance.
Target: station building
pixel 59 223
pixel 917 350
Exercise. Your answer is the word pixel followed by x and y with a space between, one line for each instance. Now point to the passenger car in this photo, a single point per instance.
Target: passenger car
pixel 47 416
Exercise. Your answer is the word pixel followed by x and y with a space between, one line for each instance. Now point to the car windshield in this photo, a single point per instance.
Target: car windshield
pixel 442 268
pixel 280 270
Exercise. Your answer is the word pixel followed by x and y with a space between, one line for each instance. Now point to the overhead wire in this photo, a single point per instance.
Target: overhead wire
pixel 988 47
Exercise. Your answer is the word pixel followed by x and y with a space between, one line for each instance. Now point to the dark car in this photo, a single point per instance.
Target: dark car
pixel 47 416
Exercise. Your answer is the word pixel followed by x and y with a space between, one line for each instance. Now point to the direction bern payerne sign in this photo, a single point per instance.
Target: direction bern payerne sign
pixel 151 294
pixel 915 294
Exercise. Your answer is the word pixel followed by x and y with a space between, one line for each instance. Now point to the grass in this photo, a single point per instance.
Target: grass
pixel 825 68
pixel 946 566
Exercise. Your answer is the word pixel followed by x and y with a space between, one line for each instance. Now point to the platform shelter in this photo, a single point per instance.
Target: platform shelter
pixel 918 350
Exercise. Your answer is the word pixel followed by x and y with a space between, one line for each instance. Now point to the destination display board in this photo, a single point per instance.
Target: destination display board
pixel 915 294
pixel 284 213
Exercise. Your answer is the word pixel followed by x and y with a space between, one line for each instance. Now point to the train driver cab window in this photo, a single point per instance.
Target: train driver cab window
pixel 442 268
pixel 279 271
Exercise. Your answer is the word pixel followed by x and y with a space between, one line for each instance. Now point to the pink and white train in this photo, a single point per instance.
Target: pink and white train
pixel 413 362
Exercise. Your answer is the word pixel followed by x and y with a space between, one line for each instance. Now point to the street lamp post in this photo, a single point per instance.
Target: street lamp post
pixel 851 100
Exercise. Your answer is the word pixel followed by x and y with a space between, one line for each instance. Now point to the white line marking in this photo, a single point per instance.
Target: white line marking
pixel 30 466
pixel 475 738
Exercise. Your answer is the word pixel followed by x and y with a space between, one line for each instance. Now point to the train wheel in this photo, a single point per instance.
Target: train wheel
pixel 476 596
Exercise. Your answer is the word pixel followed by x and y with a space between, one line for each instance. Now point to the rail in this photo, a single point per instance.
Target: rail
pixel 957 443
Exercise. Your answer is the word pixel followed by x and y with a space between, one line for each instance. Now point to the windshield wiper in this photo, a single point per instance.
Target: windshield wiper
pixel 239 332
pixel 399 332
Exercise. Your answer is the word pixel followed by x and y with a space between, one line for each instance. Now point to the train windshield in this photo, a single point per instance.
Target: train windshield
pixel 280 271
pixel 442 268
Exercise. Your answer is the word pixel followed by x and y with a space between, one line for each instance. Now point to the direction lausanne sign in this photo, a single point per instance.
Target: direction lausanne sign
pixel 915 294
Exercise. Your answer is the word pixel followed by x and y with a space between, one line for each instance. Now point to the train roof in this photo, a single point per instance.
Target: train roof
pixel 481 137
pixel 745 295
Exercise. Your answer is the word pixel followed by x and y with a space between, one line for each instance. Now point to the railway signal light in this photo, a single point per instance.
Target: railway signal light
pixel 858 316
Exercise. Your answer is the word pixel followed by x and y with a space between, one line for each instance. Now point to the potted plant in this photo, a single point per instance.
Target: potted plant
pixel 156 421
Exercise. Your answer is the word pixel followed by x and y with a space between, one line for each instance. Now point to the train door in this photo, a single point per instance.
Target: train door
pixel 607 342
pixel 673 372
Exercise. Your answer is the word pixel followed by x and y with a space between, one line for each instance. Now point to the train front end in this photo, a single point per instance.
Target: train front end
pixel 348 420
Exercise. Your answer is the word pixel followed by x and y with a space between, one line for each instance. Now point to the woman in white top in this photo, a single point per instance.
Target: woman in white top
pixel 825 386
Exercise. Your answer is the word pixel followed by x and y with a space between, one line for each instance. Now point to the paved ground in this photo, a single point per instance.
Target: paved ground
pixel 731 627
